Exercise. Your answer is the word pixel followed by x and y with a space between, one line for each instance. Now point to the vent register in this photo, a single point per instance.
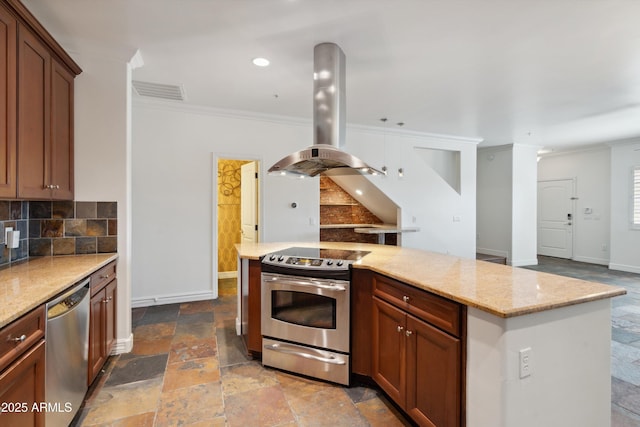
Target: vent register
pixel 159 90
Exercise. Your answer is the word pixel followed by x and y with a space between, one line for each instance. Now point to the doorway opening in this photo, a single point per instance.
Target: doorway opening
pixel 237 215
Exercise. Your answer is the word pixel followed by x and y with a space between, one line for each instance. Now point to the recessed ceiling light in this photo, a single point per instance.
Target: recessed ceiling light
pixel 359 192
pixel 260 62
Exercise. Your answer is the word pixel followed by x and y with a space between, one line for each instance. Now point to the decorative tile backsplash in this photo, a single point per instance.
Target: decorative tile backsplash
pixel 58 228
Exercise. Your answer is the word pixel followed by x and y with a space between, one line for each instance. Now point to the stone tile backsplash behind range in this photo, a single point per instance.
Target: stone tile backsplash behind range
pixel 59 228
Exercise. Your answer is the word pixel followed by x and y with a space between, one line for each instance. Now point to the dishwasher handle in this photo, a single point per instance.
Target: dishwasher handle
pixel 67 301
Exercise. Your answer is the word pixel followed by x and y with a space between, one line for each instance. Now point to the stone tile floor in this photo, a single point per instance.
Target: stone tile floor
pixel 625 333
pixel 188 367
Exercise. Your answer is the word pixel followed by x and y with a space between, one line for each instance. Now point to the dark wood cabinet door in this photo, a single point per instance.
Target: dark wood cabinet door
pixel 61 154
pixel 389 350
pixel 361 324
pixel 8 105
pixel 22 384
pixel 96 335
pixel 110 317
pixel 254 310
pixel 34 93
pixel 433 375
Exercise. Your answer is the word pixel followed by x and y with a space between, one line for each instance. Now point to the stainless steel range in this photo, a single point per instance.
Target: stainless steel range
pixel 305 311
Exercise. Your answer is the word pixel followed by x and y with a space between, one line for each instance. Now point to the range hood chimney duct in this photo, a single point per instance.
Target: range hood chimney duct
pixel 329 123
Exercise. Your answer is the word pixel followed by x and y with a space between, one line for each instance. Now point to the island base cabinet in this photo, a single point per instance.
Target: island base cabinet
pixel 102 328
pixel 417 365
pixel 22 390
pixel 433 375
pixel 389 350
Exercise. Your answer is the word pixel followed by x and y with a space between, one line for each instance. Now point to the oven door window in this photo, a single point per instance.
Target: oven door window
pixel 301 308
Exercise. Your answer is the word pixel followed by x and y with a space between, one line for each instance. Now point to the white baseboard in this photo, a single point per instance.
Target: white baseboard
pixel 123 345
pixel 589 260
pixel 493 252
pixel 627 268
pixel 523 262
pixel 238 326
pixel 227 274
pixel 171 299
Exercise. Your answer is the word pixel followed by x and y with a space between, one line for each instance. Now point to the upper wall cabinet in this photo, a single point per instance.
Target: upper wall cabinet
pixel 40 114
pixel 8 25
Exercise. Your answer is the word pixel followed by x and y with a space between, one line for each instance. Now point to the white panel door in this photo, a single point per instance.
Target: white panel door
pixel 249 202
pixel 555 218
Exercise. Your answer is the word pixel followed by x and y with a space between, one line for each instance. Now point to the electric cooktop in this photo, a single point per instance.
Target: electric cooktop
pixel 318 259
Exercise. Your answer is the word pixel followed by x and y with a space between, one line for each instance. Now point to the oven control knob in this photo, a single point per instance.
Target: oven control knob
pixel 329 262
pixel 280 258
pixel 272 257
pixel 340 263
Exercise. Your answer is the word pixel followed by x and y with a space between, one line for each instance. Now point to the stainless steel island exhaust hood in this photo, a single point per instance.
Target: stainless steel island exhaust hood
pixel 328 122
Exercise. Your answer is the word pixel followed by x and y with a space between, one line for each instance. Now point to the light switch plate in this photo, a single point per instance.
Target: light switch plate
pixel 6 234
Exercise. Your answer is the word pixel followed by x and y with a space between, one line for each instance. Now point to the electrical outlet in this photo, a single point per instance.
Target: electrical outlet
pixel 525 362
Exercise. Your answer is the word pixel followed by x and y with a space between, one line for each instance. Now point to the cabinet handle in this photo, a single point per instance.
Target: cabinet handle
pixel 400 328
pixel 107 300
pixel 19 339
pixel 105 277
pixel 408 332
pixel 405 298
pixel 57 187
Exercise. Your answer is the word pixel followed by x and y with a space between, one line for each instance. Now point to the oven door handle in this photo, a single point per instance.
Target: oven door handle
pixel 280 348
pixel 310 284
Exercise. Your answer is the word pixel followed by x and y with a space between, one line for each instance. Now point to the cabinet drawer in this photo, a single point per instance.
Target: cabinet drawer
pixel 438 311
pixel 103 276
pixel 21 334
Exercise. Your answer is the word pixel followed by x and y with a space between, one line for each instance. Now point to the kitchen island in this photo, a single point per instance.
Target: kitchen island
pixel 536 346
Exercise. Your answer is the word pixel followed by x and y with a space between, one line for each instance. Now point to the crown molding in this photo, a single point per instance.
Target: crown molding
pixel 250 115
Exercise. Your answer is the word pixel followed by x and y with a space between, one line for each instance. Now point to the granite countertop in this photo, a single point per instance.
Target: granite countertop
pixel 26 285
pixel 501 290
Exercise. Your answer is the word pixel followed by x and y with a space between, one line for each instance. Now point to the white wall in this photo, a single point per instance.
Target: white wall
pixel 173 167
pixel 175 152
pixel 495 199
pixel 507 207
pixel 446 218
pixel 625 242
pixel 102 150
pixel 525 206
pixel 592 171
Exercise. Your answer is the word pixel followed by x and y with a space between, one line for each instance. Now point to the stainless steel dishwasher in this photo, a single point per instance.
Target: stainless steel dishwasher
pixel 67 354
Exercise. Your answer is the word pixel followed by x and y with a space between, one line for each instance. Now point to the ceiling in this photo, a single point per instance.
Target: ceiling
pixel 554 73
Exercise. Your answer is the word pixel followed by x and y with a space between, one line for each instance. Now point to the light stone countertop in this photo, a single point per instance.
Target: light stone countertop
pixel 501 290
pixel 26 285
